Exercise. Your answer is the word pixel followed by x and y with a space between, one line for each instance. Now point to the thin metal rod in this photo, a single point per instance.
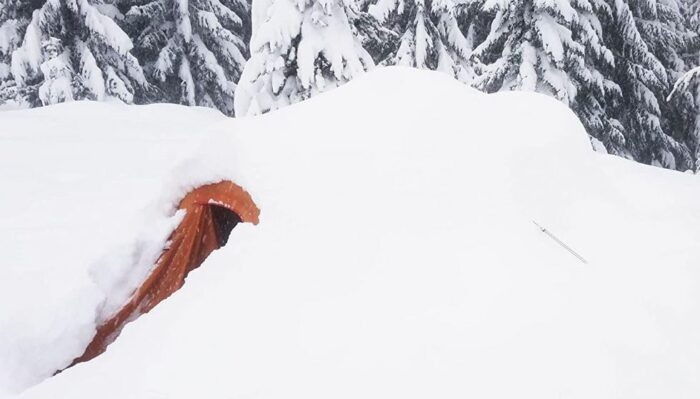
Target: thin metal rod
pixel 560 242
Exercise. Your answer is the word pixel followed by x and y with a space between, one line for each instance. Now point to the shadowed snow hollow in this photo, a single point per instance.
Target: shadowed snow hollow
pixel 397 257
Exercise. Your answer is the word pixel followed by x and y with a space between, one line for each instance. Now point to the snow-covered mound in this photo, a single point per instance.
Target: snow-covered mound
pixel 397 254
pixel 88 191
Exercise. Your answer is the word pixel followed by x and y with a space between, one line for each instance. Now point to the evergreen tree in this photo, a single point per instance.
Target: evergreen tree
pixel 299 49
pixel 692 14
pixel 636 33
pixel 429 34
pixel 14 18
pixel 195 50
pixel 556 48
pixel 685 97
pixel 379 41
pixel 94 53
pixel 663 28
pixel 690 10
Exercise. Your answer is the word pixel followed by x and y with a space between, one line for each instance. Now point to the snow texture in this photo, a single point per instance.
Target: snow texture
pixel 103 50
pixel 298 49
pixel 83 216
pixel 194 50
pixel 396 255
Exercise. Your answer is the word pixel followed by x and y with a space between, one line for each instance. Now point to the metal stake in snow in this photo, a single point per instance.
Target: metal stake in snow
pixel 560 242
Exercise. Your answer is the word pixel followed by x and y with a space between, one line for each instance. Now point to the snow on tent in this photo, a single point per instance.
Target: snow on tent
pixel 212 211
pixel 397 256
pixel 107 208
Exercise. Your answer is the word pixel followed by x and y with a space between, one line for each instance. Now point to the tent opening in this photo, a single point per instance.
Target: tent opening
pixel 225 221
pixel 211 213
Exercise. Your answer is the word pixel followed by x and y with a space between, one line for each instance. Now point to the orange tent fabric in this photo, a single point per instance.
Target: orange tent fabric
pixel 212 211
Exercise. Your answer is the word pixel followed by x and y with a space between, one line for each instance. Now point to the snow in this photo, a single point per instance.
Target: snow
pixel 90 72
pixel 81 217
pixel 8 35
pixel 102 25
pixel 57 86
pixel 381 9
pixel 396 255
pixel 28 57
pixel 316 38
pixel 184 24
pixel 216 71
pixel 527 73
pixel 423 42
pixel 550 35
pixel 562 8
pixel 188 85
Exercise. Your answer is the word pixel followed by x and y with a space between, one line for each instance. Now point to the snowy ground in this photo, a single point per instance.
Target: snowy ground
pixel 396 255
pixel 87 189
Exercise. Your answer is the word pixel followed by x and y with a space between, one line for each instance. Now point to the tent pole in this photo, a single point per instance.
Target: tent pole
pixel 561 243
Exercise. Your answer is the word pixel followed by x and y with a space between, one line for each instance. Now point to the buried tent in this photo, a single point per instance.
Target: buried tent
pixel 212 211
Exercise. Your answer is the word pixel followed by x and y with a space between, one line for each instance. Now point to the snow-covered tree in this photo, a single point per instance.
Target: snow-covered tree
pixel 691 13
pixel 194 50
pixel 429 34
pixel 58 76
pixel 95 50
pixel 690 9
pixel 299 49
pixel 685 97
pixel 554 47
pixel 663 27
pixel 645 82
pixel 379 41
pixel 14 18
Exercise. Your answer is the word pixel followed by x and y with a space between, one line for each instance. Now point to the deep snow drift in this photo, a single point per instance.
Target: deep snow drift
pixel 396 255
pixel 88 191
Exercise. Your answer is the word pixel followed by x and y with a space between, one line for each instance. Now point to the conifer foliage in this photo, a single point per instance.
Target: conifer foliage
pixel 685 97
pixel 627 68
pixel 553 47
pixel 691 14
pixel 83 50
pixel 15 15
pixel 648 37
pixel 429 35
pixel 193 50
pixel 299 49
pixel 14 18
